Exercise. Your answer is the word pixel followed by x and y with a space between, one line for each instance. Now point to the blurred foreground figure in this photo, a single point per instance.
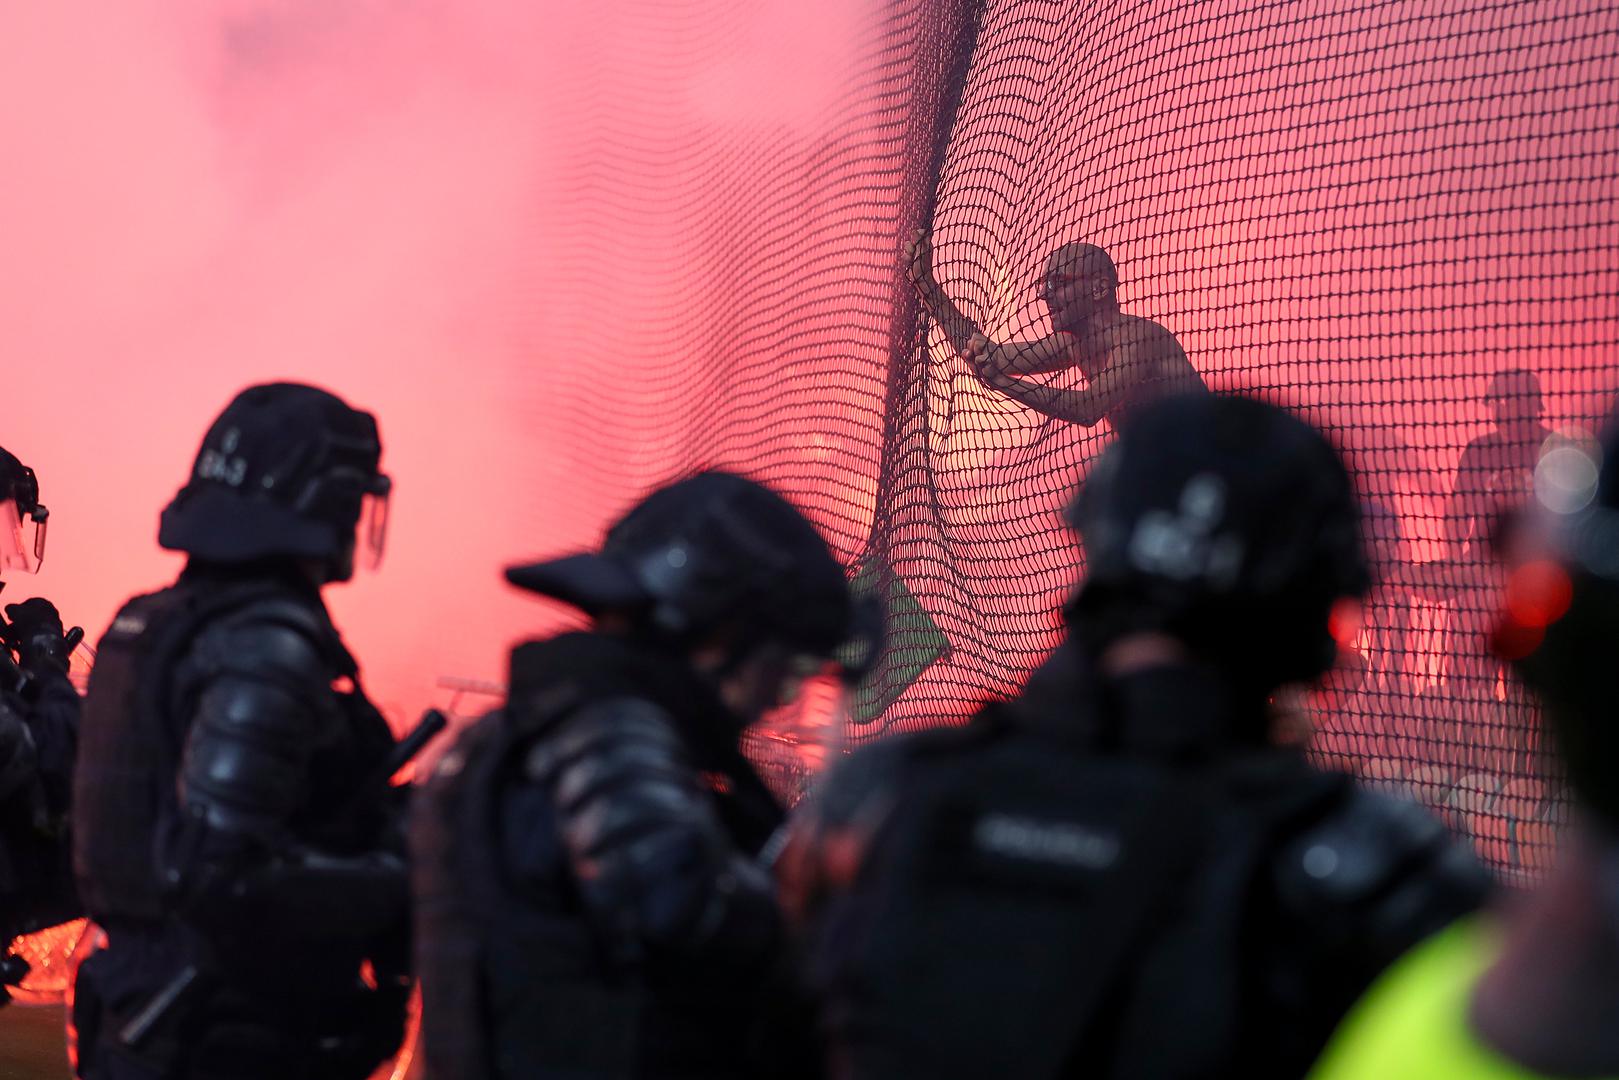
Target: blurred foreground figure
pixel 1120 874
pixel 227 839
pixel 589 893
pixel 1127 360
pixel 39 730
pixel 1535 992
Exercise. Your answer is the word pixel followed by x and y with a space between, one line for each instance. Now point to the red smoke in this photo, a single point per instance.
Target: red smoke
pixel 386 199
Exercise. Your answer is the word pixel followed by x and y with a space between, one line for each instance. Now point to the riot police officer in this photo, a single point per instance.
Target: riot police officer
pixel 1532 991
pixel 589 896
pixel 254 901
pixel 39 722
pixel 1122 873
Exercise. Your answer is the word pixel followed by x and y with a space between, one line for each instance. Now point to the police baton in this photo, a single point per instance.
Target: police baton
pixel 152 1013
pixel 375 785
pixel 405 750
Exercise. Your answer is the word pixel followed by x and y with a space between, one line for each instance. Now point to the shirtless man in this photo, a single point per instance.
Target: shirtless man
pixel 1127 360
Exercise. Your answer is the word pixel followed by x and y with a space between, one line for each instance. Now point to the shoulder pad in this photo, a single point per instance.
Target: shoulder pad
pixel 133 618
pixel 623 727
pixel 280 644
pixel 1365 846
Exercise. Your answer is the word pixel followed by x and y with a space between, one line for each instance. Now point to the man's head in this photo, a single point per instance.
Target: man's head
pixel 22 547
pixel 1225 524
pixel 1079 282
pixel 722 570
pixel 1559 623
pixel 1514 398
pixel 287 472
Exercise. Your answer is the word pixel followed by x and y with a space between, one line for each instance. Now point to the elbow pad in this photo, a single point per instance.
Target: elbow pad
pixel 653 862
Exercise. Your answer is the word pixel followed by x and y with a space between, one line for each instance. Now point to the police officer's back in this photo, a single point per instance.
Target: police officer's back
pixel 1532 990
pixel 588 897
pixel 39 721
pixel 241 879
pixel 1117 875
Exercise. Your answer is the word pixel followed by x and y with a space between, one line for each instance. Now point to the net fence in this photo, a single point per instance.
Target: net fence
pixel 1396 216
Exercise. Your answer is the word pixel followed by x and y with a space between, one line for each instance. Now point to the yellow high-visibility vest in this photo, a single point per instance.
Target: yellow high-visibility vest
pixel 1412 1024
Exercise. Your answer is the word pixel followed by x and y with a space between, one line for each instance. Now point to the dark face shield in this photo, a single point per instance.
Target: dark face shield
pixel 373 529
pixel 22 537
pixel 862 647
pixel 807 726
pixel 814 709
pixel 345 494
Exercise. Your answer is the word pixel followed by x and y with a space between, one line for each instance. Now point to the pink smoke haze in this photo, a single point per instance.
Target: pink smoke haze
pixel 565 251
pixel 388 200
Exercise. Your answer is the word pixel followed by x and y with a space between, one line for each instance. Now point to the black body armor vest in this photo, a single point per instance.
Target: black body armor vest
pixel 1100 881
pixel 516 981
pixel 134 732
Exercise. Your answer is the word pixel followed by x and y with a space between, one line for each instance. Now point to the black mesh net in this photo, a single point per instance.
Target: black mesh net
pixel 1391 218
pixel 1396 216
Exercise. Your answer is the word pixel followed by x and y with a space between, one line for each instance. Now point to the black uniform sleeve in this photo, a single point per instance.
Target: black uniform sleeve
pixel 19 759
pixel 653 863
pixel 263 703
pixel 837 829
pixel 1359 888
pixel 253 731
pixel 53 721
pixel 1384 872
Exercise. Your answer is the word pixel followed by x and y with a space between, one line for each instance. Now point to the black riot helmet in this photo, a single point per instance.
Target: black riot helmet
pixel 21 514
pixel 286 472
pixel 717 551
pixel 1229 524
pixel 1560 620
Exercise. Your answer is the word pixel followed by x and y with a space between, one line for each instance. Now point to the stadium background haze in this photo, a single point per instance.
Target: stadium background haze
pixel 379 198
pixel 564 251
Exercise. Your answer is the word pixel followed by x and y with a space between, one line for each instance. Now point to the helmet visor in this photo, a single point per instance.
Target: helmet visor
pixel 22 545
pixel 858 655
pixel 373 529
pixel 805 731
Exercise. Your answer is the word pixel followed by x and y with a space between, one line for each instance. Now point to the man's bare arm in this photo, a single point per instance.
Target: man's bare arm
pixel 1052 353
pixel 1086 406
pixel 1055 352
pixel 957 327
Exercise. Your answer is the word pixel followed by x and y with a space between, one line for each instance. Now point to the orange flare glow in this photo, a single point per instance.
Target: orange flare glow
pixel 1538 594
pixel 1345 621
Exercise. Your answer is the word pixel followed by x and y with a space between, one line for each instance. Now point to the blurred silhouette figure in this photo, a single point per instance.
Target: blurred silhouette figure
pixel 590 896
pixel 39 731
pixel 1128 871
pixel 1494 478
